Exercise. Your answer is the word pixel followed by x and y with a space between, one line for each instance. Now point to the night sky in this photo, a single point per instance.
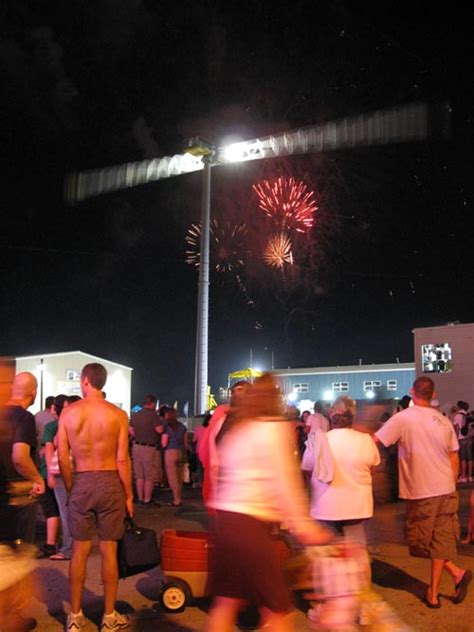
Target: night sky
pixel 91 84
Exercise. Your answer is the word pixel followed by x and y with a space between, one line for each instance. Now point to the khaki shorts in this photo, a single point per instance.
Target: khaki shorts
pixel 144 462
pixel 96 506
pixel 432 526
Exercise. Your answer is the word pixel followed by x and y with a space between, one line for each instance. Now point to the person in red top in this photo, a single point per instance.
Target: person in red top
pixel 207 453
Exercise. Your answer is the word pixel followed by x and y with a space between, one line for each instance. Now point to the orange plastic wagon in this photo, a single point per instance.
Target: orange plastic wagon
pixel 185 566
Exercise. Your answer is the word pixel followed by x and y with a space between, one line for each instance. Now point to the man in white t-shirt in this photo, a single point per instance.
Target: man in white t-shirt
pixel 317 420
pixel 428 465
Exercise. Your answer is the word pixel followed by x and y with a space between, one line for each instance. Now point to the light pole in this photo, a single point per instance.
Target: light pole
pixel 41 368
pixel 202 329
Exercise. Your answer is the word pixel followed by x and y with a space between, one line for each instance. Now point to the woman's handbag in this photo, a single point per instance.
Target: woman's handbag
pixel 185 473
pixel 137 550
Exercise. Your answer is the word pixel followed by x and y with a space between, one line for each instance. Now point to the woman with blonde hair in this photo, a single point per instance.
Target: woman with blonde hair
pixel 258 485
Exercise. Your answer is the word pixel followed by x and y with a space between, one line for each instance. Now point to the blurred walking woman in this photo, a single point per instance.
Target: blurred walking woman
pixel 258 485
pixel 174 441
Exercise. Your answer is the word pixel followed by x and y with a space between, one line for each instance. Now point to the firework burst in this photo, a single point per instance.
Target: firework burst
pixel 288 202
pixel 278 252
pixel 228 246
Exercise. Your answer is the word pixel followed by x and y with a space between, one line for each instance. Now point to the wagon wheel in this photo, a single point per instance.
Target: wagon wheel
pixel 175 596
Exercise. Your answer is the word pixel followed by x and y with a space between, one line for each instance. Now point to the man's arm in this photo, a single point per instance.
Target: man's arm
pixel 124 467
pixel 23 464
pixel 63 451
pixel 454 457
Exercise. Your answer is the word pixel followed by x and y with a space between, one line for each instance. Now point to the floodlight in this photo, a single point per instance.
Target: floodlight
pixel 235 152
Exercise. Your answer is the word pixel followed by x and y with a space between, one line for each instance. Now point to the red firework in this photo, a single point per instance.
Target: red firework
pixel 287 201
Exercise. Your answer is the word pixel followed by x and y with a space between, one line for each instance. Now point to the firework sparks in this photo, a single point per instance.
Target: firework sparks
pixel 228 245
pixel 277 252
pixel 287 201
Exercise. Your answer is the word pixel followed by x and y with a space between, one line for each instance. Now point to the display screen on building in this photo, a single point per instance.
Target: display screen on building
pixel 436 358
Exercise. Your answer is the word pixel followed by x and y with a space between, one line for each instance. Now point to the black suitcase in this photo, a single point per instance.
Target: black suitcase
pixel 137 550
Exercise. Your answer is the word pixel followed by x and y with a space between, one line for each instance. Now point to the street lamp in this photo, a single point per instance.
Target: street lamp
pixel 40 368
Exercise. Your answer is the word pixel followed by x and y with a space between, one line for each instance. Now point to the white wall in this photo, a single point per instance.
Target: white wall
pixel 57 370
pixel 458 383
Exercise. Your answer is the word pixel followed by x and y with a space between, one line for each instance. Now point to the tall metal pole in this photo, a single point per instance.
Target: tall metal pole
pixel 201 369
pixel 41 382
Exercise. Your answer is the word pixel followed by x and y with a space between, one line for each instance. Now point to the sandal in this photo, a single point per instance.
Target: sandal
pixel 430 604
pixel 461 587
pixel 59 556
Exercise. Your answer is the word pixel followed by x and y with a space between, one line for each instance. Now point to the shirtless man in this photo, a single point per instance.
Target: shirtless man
pixel 96 433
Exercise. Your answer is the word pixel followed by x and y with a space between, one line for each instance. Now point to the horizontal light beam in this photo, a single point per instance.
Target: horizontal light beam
pixel 86 184
pixel 407 123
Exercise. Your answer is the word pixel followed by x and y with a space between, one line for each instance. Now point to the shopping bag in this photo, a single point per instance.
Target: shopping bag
pixel 137 550
pixel 185 473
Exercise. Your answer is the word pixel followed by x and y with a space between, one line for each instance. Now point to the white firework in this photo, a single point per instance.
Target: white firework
pixel 278 251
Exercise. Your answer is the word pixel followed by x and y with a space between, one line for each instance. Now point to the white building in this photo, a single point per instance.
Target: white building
pixel 446 354
pixel 60 373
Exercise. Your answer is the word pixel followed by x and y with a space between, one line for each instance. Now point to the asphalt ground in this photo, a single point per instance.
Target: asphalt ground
pixel 399 579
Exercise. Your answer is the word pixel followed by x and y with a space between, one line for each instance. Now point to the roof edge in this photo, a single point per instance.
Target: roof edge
pixel 64 353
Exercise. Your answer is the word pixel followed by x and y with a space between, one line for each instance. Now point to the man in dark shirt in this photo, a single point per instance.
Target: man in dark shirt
pixel 144 428
pixel 19 476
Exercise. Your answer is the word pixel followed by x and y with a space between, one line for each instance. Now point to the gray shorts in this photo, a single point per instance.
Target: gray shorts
pixel 96 506
pixel 465 449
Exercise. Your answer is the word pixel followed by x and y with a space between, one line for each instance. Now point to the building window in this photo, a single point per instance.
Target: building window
pixel 72 375
pixel 436 358
pixel 340 387
pixel 372 385
pixel 300 388
pixel 391 385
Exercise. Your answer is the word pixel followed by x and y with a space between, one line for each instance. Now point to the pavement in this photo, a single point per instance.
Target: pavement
pixel 398 578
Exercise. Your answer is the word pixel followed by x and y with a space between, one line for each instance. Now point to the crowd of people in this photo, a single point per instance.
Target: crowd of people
pixel 265 469
pixel 248 448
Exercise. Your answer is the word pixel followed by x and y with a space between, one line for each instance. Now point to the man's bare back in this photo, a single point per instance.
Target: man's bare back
pixel 93 428
pixel 96 433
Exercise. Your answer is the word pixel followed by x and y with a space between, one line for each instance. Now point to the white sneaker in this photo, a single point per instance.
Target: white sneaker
pixel 114 621
pixel 75 622
pixel 462 479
